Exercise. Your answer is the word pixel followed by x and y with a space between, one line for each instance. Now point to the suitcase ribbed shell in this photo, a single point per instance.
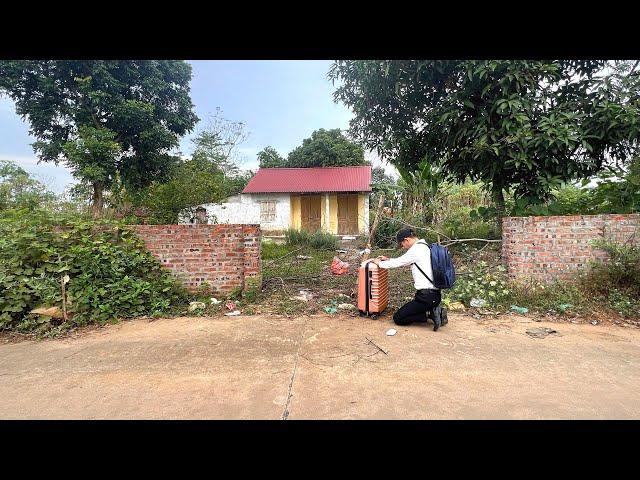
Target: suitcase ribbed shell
pixel 373 288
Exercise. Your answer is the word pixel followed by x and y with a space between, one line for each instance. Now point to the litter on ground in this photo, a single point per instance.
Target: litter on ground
pixel 347 306
pixel 193 306
pixel 478 302
pixel 233 314
pixel 338 267
pixel 540 332
pixel 391 332
pixel 521 310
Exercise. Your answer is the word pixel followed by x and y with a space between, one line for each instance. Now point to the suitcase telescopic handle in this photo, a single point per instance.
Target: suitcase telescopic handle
pixel 370 288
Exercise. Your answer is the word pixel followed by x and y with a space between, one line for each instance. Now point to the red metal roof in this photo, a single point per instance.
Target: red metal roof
pixel 305 180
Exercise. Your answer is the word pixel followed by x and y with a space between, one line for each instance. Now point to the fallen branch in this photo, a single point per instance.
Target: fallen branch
pixel 415 227
pixel 460 240
pixel 285 255
pixel 371 342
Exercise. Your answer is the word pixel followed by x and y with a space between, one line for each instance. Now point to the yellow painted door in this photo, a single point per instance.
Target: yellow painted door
pixel 311 212
pixel 348 214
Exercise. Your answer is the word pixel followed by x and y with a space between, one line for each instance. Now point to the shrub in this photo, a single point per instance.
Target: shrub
pixel 621 271
pixel 297 237
pixel 482 282
pixel 320 240
pixel 111 274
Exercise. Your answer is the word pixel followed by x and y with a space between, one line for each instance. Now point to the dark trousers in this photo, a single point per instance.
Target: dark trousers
pixel 416 309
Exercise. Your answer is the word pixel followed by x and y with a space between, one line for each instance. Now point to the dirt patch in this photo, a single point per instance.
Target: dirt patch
pixel 324 367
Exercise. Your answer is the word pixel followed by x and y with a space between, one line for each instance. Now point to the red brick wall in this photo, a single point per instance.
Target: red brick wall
pixel 225 256
pixel 556 248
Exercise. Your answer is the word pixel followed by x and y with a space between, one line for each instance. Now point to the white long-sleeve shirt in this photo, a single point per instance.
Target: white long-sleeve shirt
pixel 420 254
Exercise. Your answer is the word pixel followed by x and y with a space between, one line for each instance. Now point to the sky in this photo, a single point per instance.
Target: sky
pixel 280 102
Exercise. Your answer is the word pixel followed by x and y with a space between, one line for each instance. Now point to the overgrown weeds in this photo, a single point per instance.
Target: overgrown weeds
pixel 318 240
pixel 105 269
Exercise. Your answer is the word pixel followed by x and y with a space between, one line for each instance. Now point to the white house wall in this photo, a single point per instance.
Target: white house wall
pixel 245 209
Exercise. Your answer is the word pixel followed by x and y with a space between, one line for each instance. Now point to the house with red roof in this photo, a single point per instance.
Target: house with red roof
pixel 329 199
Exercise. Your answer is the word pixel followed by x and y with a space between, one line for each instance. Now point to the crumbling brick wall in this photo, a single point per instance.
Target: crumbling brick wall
pixel 556 248
pixel 225 256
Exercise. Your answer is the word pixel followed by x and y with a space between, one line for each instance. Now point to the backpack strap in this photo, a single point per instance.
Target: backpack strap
pixel 421 271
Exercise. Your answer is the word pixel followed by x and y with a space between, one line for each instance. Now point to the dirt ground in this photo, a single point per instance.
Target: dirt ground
pixel 319 367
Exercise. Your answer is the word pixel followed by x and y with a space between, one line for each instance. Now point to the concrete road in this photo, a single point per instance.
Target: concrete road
pixel 259 367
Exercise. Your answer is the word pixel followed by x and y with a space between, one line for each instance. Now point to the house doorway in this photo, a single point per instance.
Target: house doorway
pixel 311 213
pixel 348 214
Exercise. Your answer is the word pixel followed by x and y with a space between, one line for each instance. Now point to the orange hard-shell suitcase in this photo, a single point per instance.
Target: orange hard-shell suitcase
pixel 373 289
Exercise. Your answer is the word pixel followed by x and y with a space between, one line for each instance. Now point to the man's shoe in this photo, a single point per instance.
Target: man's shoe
pixel 437 318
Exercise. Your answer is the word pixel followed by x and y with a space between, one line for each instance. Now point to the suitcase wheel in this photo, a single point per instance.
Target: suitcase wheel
pixel 374 316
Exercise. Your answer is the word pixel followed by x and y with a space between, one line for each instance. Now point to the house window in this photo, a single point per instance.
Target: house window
pixel 268 211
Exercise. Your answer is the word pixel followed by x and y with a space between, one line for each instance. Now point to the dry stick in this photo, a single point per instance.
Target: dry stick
pixel 375 225
pixel 418 228
pixel 371 342
pixel 459 240
pixel 64 300
pixel 286 254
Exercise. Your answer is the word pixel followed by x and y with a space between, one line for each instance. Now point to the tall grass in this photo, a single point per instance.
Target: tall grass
pixel 319 240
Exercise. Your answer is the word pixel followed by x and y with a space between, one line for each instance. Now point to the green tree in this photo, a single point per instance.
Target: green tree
pixel 192 183
pixel 519 126
pixel 103 117
pixel 18 190
pixel 218 143
pixel 326 148
pixel 270 158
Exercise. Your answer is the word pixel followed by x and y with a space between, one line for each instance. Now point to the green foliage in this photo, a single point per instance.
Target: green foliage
pixel 482 282
pixel 624 303
pixel 103 117
pixel 326 148
pixel 19 191
pixel 318 240
pixel 557 297
pixel 193 182
pixel 272 250
pixel 270 158
pixel 111 274
pixel 521 126
pixel 621 271
pixel 217 144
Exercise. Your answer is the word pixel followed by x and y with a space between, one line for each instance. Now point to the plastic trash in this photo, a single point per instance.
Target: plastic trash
pixel 230 305
pixel 347 306
pixel 193 306
pixel 333 308
pixel 391 332
pixel 366 251
pixel 215 301
pixel 478 302
pixel 563 307
pixel 338 267
pixel 521 310
pixel 232 314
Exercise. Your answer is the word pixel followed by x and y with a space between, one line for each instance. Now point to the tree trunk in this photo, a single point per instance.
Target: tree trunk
pixel 97 200
pixel 498 200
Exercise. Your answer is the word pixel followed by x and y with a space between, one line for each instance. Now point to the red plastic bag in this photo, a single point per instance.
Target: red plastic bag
pixel 338 267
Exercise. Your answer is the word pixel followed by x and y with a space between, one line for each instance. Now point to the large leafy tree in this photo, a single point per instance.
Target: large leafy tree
pixel 192 183
pixel 19 190
pixel 269 157
pixel 518 126
pixel 218 143
pixel 104 117
pixel 326 148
